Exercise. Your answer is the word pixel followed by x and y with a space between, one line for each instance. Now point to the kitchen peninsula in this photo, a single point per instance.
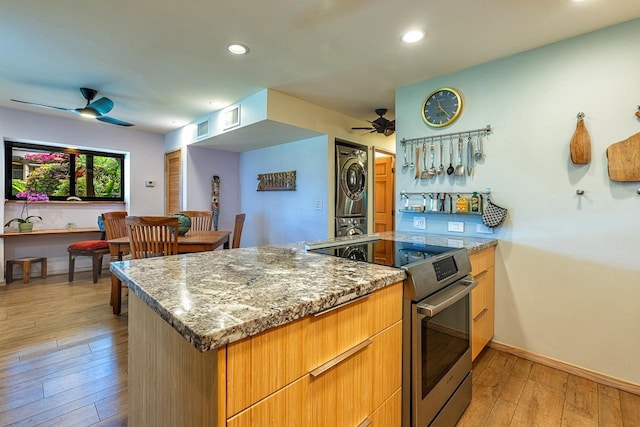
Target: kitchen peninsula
pixel 257 336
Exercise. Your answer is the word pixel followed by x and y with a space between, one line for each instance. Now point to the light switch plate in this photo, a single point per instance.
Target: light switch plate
pixel 419 222
pixel 317 204
pixel 149 183
pixel 455 226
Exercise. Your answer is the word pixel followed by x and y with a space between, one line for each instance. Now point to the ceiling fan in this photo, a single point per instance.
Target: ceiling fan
pixel 381 125
pixel 94 109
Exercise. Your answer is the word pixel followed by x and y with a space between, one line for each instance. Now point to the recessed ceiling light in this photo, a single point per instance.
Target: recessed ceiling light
pixel 238 49
pixel 413 36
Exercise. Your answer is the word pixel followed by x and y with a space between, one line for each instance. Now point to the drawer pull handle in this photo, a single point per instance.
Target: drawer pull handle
pixel 481 314
pixel 335 307
pixel 365 423
pixel 340 358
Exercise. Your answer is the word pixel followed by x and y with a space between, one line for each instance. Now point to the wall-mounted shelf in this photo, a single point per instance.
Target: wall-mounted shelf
pixel 445 202
pixel 439 212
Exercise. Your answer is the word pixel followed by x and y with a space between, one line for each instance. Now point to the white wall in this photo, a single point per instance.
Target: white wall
pixel 568 269
pixel 144 161
pixel 291 111
pixel 202 164
pixel 275 217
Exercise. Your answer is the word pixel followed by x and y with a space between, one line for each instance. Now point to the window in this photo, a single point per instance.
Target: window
pixel 63 172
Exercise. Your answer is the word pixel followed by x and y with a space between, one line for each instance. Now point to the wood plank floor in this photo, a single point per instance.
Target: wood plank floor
pixel 63 362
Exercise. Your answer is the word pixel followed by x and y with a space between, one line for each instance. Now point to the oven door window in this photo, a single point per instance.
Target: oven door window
pixel 445 338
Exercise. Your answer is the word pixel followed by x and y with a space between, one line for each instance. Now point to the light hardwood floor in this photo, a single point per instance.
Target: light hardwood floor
pixel 63 362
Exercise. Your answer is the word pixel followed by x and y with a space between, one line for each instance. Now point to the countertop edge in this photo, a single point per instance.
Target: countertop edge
pixel 211 340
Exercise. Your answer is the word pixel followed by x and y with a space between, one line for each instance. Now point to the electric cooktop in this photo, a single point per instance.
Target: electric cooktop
pixel 377 251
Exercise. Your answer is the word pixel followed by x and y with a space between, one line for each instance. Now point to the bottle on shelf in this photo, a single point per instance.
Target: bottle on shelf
pixel 475 202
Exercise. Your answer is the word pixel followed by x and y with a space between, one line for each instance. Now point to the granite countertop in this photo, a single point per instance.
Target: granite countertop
pixel 215 298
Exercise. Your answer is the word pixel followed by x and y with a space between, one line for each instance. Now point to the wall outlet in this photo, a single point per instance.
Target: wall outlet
pixel 419 222
pixel 457 227
pixel 483 229
pixel 317 205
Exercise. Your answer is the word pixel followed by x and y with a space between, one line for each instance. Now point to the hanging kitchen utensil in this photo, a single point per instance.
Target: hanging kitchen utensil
pixel 424 174
pixel 493 215
pixel 450 168
pixel 624 159
pixel 416 165
pixel 441 167
pixel 478 152
pixel 432 156
pixel 412 164
pixel 459 171
pixel 404 152
pixel 469 156
pixel 580 146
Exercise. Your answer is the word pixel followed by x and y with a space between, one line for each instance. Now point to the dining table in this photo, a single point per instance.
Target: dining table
pixel 192 241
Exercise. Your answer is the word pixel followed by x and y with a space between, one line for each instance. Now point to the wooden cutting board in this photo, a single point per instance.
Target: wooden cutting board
pixel 580 146
pixel 624 159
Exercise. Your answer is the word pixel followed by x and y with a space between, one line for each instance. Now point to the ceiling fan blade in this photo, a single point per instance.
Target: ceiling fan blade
pixel 113 121
pixel 369 128
pixel 42 105
pixel 102 105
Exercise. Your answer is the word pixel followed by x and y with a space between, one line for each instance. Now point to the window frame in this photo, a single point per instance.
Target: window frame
pixel 8 162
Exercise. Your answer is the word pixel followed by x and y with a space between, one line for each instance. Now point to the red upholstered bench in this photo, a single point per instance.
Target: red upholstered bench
pixel 96 249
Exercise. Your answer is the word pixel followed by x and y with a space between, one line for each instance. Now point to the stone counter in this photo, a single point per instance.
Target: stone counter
pixel 214 298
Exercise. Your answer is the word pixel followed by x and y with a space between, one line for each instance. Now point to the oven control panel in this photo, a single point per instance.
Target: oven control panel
pixel 445 267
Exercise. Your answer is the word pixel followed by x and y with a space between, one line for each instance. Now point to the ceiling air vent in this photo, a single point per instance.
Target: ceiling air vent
pixel 231 117
pixel 203 130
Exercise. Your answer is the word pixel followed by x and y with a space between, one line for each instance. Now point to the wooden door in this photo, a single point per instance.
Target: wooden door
pixel 384 202
pixel 384 194
pixel 173 182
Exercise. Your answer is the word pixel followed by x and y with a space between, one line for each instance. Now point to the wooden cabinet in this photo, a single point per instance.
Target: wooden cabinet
pixel 482 299
pixel 337 368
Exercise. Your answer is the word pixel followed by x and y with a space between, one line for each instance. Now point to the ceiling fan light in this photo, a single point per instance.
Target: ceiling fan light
pixel 413 36
pixel 88 112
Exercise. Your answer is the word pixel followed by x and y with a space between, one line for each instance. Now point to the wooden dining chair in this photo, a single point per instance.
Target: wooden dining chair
pixel 237 230
pixel 152 236
pixel 115 226
pixel 200 220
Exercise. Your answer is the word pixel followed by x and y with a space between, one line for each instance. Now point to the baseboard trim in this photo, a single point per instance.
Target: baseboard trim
pixel 567 367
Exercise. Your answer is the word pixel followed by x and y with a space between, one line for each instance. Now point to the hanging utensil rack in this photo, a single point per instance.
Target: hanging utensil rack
pixel 429 139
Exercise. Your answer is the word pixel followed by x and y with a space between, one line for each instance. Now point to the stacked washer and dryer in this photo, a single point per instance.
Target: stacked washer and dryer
pixel 351 189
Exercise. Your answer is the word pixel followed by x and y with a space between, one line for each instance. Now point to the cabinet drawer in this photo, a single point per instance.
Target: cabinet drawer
pixel 484 293
pixel 286 407
pixel 349 392
pixel 389 414
pixel 482 330
pixel 260 365
pixel 482 260
pixel 338 330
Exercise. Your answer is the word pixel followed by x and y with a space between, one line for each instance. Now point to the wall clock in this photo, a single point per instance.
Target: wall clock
pixel 442 107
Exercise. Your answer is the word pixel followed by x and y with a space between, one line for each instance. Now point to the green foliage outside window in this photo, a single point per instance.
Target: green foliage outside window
pixel 61 173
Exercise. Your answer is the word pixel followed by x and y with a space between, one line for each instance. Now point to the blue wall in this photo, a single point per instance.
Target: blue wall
pixel 275 217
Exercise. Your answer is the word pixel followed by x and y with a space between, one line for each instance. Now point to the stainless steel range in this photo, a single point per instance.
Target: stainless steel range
pixel 436 365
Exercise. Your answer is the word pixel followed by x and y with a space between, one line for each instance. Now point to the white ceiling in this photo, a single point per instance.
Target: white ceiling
pixel 163 61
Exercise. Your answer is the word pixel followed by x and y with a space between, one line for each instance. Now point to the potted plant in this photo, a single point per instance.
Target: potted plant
pixel 25 222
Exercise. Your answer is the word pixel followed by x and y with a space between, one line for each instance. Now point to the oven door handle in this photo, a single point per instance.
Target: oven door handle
pixel 446 298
